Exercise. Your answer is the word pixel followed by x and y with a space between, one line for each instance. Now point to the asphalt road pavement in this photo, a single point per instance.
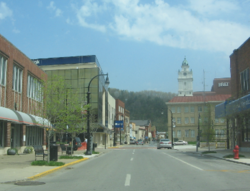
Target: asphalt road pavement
pixel 143 167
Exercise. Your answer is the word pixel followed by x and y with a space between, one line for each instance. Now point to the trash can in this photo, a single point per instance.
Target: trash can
pixel 53 151
pixel 94 146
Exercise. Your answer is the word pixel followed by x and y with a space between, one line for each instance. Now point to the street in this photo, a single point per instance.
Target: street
pixel 143 167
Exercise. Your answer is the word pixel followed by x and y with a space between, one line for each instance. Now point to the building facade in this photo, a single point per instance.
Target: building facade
pixel 78 71
pixel 186 111
pixel 19 83
pixel 120 116
pixel 236 109
pixel 185 80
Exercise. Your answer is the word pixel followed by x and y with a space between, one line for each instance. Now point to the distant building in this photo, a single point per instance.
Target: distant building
pixel 186 112
pixel 220 86
pixel 142 129
pixel 185 80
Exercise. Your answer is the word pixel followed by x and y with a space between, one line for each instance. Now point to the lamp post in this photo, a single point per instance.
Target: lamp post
pixel 198 135
pixel 172 131
pixel 88 152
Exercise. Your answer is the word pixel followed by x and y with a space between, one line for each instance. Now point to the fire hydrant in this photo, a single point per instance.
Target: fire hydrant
pixel 236 152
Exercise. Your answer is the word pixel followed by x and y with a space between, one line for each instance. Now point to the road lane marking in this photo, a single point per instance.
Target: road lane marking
pixel 131 159
pixel 127 181
pixel 184 162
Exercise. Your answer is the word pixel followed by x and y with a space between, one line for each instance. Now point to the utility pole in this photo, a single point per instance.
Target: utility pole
pixel 198 135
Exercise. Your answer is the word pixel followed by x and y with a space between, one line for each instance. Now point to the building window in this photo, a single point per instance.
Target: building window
pixel 186 109
pixel 17 79
pixel 186 133
pixel 186 120
pixel 34 89
pixel 3 64
pixel 192 133
pixel 199 108
pixel 179 133
pixel 244 80
pixel 178 120
pixel 191 119
pixel 205 108
pixel 178 109
pixel 222 120
pixel 173 109
pixel 192 109
pixel 216 120
pixel 206 119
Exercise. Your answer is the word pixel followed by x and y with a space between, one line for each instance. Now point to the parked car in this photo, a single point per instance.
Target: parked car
pixel 139 142
pixel 180 142
pixel 164 143
pixel 132 141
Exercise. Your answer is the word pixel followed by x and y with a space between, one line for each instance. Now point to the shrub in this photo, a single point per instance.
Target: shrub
pixel 71 157
pixel 51 163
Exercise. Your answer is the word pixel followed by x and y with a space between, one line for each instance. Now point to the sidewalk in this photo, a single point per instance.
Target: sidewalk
pixel 220 153
pixel 18 167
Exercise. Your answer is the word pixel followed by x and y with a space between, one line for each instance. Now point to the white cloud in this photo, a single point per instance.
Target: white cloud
pixel 58 12
pixel 87 10
pixel 15 31
pixel 213 7
pixel 4 11
pixel 174 26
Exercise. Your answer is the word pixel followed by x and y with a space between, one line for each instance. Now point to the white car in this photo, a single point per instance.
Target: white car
pixel 180 142
pixel 164 143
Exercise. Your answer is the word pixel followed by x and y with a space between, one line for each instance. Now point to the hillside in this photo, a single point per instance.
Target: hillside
pixel 145 105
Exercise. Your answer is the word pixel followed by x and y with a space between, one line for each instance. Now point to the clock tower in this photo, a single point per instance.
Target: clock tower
pixel 185 80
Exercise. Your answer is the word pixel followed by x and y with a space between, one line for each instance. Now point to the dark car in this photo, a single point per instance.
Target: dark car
pixel 139 142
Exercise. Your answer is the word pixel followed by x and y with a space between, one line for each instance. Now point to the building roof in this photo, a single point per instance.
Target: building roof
pixel 185 63
pixel 208 98
pixel 141 122
pixel 65 60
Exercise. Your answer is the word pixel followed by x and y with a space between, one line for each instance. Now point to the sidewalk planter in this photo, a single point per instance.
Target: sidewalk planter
pixel 28 150
pixel 11 151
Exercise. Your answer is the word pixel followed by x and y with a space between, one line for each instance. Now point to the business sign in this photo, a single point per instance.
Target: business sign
pixel 118 124
pixel 223 84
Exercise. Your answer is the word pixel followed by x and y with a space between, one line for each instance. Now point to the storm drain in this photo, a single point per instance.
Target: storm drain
pixel 68 168
pixel 29 183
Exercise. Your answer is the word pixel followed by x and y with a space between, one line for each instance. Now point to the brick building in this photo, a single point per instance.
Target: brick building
pixel 120 116
pixel 236 109
pixel 19 82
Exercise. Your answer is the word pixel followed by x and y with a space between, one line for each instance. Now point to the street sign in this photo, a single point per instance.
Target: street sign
pixel 118 124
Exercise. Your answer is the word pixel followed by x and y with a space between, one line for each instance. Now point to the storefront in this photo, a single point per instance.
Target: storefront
pixel 18 130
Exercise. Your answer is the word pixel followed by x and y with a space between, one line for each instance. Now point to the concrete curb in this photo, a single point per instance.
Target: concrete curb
pixel 226 159
pixel 55 169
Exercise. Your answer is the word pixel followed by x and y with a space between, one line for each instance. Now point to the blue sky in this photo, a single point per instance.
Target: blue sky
pixel 141 44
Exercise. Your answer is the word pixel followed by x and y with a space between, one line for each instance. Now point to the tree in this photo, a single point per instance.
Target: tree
pixel 60 108
pixel 206 122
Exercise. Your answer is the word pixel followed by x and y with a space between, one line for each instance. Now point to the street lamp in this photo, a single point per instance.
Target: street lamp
pixel 88 152
pixel 198 135
pixel 172 131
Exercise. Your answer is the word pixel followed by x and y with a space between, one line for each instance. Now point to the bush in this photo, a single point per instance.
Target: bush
pixel 93 152
pixel 207 152
pixel 51 163
pixel 28 150
pixel 70 157
pixel 232 156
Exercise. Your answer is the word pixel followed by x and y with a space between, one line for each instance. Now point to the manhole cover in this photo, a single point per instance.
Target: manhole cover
pixel 29 183
pixel 68 168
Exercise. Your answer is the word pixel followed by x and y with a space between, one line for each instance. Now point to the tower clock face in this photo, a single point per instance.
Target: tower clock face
pixel 184 73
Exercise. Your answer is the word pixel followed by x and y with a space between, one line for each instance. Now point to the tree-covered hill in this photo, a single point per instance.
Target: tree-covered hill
pixel 145 105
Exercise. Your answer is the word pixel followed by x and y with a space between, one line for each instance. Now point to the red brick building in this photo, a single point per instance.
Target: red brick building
pixel 19 81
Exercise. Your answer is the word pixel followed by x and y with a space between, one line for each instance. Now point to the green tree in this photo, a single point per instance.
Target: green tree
pixel 206 122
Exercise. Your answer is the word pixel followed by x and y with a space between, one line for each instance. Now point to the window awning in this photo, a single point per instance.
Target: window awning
pixel 9 115
pixel 22 118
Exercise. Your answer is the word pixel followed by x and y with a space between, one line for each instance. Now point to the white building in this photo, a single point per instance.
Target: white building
pixel 185 80
pixel 111 116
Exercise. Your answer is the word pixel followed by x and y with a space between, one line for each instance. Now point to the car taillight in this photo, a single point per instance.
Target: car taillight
pixel 169 142
pixel 161 142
